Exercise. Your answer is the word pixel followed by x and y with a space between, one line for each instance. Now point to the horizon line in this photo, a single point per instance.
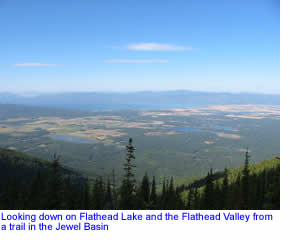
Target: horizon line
pixel 136 91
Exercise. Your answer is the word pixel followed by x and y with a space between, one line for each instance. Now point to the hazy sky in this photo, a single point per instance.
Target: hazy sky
pixel 104 45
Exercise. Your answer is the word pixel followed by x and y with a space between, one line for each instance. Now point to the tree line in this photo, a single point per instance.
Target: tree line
pixel 53 190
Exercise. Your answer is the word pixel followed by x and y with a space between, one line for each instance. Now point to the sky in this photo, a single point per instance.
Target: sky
pixel 129 45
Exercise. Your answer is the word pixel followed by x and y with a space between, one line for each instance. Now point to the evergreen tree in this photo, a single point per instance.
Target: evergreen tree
pixel 69 195
pixel 225 189
pixel 171 195
pixel 179 203
pixel 217 195
pixel 163 188
pixel 12 194
pixel 208 202
pixel 236 201
pixel 85 196
pixel 55 191
pixel 196 199
pixel 153 195
pixel 272 192
pixel 36 194
pixel 98 194
pixel 163 198
pixel 259 191
pixel 128 187
pixel 276 188
pixel 245 182
pixel 108 196
pixel 114 192
pixel 145 189
pixel 190 199
pixel 139 202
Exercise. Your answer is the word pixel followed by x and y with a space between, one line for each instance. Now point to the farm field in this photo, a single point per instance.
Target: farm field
pixel 180 142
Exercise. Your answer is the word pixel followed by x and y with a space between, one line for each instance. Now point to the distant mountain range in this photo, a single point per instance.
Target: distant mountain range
pixel 136 100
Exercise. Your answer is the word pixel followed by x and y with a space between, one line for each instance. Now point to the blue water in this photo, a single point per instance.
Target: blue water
pixel 223 128
pixel 102 107
pixel 71 139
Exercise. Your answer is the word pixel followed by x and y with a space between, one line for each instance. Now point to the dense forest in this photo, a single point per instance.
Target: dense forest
pixel 31 183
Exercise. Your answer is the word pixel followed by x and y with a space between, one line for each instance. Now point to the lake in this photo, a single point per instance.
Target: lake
pixel 71 139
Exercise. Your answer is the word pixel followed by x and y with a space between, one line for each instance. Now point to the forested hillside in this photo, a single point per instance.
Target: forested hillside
pixel 252 186
pixel 31 183
pixel 27 182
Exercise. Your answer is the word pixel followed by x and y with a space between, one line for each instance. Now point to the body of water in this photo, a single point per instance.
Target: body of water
pixel 71 139
pixel 225 128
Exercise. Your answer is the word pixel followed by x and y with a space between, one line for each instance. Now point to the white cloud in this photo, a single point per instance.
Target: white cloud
pixel 135 61
pixel 157 47
pixel 34 65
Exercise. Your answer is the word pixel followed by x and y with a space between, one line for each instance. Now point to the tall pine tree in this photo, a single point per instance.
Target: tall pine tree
pixel 225 189
pixel 245 182
pixel 153 195
pixel 208 201
pixel 128 187
pixel 145 189
pixel 55 188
